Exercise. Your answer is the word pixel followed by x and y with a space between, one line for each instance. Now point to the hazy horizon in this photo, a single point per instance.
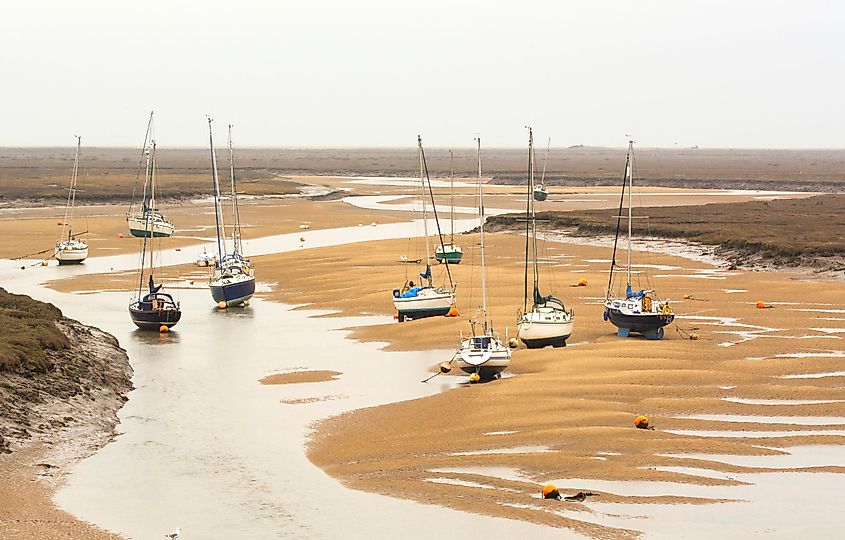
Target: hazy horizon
pixel 331 74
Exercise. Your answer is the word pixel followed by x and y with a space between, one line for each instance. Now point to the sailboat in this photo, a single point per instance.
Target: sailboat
pixel 540 191
pixel 69 249
pixel 232 282
pixel 547 322
pixel 640 311
pixel 450 251
pixel 483 355
pixel 153 309
pixel 425 300
pixel 148 221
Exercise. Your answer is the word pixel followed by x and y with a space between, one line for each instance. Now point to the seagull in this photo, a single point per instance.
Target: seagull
pixel 175 534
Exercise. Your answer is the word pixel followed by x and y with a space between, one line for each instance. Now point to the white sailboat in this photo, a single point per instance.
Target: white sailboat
pixel 414 301
pixel 450 251
pixel 483 355
pixel 640 311
pixel 547 322
pixel 233 280
pixel 148 221
pixel 69 249
pixel 540 191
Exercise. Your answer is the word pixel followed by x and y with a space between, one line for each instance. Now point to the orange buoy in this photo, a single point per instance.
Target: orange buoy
pixel 761 305
pixel 221 304
pixel 120 235
pixel 641 422
pixel 474 377
pixel 453 311
pixel 582 282
pixel 550 492
pixel 58 223
pixel 687 297
pixel 163 329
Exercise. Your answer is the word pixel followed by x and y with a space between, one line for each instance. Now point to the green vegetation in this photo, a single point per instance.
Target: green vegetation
pixel 29 329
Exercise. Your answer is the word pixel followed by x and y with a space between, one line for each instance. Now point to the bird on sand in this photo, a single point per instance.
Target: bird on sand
pixel 175 534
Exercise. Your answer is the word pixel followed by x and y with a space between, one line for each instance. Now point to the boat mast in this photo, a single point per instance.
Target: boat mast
pixel 481 229
pixel 71 194
pixel 218 219
pixel 630 175
pixel 533 159
pixel 146 217
pixel 528 205
pixel 148 227
pixel 138 171
pixel 434 209
pixel 451 199
pixel 545 162
pixel 424 208
pixel 236 217
pixel 619 216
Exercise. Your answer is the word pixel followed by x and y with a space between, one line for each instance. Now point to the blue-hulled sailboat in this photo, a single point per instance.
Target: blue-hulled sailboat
pixel 233 280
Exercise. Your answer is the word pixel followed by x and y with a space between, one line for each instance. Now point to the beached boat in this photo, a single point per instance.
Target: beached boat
pixel 153 309
pixel 70 249
pixel 640 311
pixel 540 191
pixel 233 280
pixel 483 355
pixel 547 322
pixel 205 258
pixel 148 221
pixel 414 301
pixel 450 251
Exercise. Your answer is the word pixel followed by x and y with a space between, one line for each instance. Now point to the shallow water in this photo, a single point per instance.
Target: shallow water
pixel 204 446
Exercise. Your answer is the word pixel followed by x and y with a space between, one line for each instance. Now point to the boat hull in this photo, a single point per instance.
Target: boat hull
pixel 488 360
pixel 154 319
pixel 71 253
pixel 536 334
pixel 540 195
pixel 450 253
pixel 649 325
pixel 424 305
pixel 233 292
pixel 159 229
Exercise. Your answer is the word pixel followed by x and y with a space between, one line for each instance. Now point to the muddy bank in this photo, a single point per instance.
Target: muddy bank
pixel 61 385
pixel 774 234
pixel 824 186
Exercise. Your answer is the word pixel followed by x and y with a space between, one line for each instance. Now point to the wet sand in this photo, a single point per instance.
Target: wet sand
pixel 296 377
pixel 26 507
pixel 568 413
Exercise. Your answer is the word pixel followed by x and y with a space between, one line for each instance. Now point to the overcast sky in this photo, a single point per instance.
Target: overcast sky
pixel 750 73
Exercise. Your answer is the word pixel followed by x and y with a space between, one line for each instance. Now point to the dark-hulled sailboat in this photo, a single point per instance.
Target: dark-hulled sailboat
pixel 153 309
pixel 640 311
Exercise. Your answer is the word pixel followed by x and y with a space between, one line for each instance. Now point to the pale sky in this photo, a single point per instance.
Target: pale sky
pixel 752 73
